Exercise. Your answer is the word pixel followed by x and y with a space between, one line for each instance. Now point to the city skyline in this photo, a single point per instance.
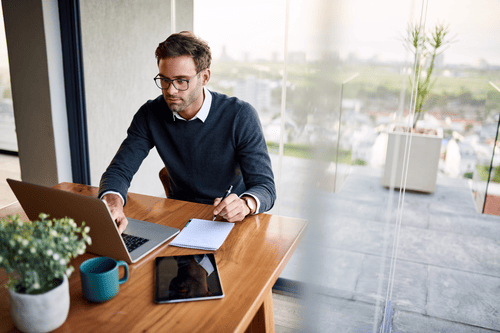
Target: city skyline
pixel 355 26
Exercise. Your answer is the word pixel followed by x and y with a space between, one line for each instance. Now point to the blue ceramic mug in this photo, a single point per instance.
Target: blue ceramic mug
pixel 99 277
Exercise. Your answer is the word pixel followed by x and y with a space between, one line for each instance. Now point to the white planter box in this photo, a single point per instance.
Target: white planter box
pixel 423 164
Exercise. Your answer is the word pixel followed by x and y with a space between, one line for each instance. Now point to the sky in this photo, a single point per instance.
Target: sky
pixel 365 27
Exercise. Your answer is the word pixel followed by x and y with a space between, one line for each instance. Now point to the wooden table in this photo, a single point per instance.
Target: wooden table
pixel 250 261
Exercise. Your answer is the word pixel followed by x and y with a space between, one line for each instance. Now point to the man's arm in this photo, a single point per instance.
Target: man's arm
pixel 255 165
pixel 133 150
pixel 254 160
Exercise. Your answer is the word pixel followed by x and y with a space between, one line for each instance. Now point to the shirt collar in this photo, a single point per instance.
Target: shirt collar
pixel 205 108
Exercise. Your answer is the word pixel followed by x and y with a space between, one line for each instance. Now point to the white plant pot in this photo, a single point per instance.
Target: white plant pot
pixel 40 313
pixel 423 164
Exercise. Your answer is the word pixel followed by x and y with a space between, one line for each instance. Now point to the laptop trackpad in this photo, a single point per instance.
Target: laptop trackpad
pixel 156 234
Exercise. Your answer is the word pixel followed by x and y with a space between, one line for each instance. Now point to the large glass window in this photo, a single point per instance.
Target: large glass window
pixel 340 81
pixel 318 80
pixel 8 140
pixel 9 161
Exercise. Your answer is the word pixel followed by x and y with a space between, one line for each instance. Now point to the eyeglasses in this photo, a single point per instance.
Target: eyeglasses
pixel 179 84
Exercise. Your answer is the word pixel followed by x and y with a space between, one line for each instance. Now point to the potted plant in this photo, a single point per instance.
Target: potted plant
pixel 421 167
pixel 36 256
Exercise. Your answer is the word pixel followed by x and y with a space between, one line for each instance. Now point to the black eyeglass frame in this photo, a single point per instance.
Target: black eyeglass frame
pixel 157 79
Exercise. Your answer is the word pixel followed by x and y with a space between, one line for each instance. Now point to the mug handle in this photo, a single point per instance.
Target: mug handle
pixel 125 277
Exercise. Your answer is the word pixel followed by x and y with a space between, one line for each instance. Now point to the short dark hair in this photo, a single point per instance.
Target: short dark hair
pixel 185 43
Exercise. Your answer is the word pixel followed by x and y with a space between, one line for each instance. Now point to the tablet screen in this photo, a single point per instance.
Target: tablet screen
pixel 186 278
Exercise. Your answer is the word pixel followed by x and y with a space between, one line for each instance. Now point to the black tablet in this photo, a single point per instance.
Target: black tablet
pixel 187 278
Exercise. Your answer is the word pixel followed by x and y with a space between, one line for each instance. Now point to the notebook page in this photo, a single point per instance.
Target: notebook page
pixel 203 234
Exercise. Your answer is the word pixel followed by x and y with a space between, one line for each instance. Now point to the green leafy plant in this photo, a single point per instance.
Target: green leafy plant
pixel 36 254
pixel 425 48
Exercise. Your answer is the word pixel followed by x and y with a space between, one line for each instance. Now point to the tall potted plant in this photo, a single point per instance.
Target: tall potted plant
pixel 425 149
pixel 425 49
pixel 36 256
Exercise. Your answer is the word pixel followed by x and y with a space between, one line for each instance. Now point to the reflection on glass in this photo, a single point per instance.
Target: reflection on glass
pixel 8 140
pixel 189 277
pixel 485 156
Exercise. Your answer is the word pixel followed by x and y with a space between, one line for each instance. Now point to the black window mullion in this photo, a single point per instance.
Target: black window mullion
pixel 69 17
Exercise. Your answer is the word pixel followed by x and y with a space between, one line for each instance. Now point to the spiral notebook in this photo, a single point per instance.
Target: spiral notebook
pixel 203 234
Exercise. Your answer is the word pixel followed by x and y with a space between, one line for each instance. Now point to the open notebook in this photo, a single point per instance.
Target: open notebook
pixel 203 234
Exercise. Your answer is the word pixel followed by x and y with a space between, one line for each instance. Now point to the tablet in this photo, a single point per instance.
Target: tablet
pixel 187 278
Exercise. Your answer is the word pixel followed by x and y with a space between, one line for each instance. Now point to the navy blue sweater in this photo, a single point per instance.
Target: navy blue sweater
pixel 202 158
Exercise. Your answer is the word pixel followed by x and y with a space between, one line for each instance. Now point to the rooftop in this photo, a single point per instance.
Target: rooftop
pixel 447 272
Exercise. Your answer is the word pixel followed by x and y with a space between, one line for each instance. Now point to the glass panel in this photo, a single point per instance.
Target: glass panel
pixel 486 174
pixel 358 81
pixel 247 65
pixel 322 129
pixel 8 140
pixel 9 161
pixel 445 248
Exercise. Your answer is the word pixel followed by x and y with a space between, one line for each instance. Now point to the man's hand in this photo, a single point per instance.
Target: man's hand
pixel 115 204
pixel 233 209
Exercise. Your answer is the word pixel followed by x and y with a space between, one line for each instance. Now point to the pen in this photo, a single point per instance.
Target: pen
pixel 228 192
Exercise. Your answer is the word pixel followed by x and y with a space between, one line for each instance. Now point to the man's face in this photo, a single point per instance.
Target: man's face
pixel 191 100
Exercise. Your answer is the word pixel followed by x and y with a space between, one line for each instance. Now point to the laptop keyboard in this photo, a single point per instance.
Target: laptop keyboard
pixel 133 242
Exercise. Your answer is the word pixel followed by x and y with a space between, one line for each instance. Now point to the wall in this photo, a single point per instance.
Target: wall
pixel 35 60
pixel 119 40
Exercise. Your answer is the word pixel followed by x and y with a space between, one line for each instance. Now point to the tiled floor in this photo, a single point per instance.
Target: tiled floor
pixel 447 273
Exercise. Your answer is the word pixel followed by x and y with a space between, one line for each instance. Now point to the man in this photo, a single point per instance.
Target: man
pixel 208 141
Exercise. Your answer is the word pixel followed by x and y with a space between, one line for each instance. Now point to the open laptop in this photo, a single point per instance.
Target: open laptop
pixel 139 239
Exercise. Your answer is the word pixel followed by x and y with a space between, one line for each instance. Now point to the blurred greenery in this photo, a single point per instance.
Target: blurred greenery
pixel 483 171
pixel 311 84
pixel 326 152
pixel 496 175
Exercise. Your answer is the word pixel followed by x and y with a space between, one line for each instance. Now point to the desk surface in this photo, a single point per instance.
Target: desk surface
pixel 250 261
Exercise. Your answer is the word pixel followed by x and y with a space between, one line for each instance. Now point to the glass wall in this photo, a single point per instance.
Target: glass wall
pixel 8 140
pixel 327 86
pixel 9 162
pixel 443 247
pixel 334 81
pixel 486 159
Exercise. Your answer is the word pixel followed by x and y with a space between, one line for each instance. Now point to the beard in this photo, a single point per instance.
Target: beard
pixel 179 103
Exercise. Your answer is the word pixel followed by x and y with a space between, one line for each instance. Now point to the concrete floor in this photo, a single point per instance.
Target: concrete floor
pixel 447 272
